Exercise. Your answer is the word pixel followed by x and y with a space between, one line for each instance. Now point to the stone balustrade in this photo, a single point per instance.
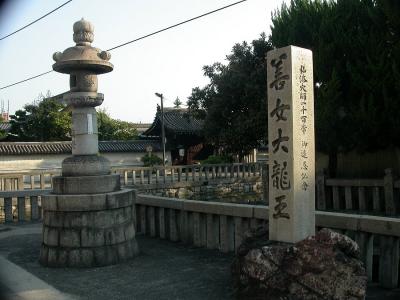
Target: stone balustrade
pixel 28 179
pixel 372 196
pixel 21 206
pixel 221 226
pixel 188 173
pixel 137 176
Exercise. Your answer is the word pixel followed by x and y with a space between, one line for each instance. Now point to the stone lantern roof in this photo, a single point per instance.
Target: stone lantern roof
pixel 82 56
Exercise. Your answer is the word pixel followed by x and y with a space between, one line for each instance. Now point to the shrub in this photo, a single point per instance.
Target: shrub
pixel 151 160
pixel 217 159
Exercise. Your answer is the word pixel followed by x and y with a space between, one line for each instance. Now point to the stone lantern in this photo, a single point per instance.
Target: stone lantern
pixel 87 219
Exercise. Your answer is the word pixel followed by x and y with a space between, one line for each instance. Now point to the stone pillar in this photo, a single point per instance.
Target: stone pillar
pixel 291 144
pixel 84 126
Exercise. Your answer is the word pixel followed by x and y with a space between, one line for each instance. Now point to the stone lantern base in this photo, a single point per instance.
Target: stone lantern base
pixel 88 230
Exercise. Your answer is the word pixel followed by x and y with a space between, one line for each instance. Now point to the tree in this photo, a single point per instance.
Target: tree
pixel 150 160
pixel 42 120
pixel 45 120
pixel 355 45
pixel 234 103
pixel 177 103
pixel 114 129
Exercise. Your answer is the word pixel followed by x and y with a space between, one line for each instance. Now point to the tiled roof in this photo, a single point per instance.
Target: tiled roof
pixel 142 127
pixel 129 146
pixel 177 121
pixel 5 126
pixel 17 148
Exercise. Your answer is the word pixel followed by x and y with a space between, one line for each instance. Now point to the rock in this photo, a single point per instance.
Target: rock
pixel 324 266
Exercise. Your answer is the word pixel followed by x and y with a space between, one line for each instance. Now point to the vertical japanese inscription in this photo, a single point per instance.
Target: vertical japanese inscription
pixel 280 176
pixel 302 78
pixel 291 144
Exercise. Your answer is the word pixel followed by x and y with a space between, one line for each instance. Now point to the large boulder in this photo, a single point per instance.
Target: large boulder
pixel 324 266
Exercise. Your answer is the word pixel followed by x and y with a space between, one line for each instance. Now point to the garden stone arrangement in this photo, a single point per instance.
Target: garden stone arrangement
pixel 324 266
pixel 87 219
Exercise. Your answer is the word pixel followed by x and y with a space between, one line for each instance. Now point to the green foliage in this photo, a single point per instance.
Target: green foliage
pixel 177 103
pixel 151 160
pixel 114 129
pixel 45 120
pixel 356 51
pixel 217 159
pixel 42 120
pixel 233 105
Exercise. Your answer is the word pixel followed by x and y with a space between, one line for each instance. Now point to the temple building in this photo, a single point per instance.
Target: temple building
pixel 184 136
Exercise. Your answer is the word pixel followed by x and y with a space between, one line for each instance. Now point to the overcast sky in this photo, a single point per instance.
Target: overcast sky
pixel 169 63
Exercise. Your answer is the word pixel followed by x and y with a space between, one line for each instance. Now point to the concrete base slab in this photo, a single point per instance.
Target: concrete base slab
pixel 86 184
pixel 88 230
pixel 85 165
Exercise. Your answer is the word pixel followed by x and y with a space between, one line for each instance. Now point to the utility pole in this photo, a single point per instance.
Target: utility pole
pixel 162 126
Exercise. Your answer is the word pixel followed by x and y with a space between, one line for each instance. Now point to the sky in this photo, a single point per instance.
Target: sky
pixel 169 63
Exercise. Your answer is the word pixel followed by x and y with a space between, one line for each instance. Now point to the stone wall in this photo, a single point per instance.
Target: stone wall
pixel 53 161
pixel 236 192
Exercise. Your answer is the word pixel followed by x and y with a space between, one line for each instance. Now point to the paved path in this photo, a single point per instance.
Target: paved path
pixel 18 284
pixel 163 270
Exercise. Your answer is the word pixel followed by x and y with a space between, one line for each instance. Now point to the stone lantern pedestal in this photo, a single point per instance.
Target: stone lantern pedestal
pixel 88 220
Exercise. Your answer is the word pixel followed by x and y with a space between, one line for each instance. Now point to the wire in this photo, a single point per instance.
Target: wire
pixel 132 41
pixel 176 25
pixel 33 77
pixel 31 23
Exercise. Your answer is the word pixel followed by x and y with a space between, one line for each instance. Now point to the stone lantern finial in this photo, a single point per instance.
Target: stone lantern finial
pixel 83 32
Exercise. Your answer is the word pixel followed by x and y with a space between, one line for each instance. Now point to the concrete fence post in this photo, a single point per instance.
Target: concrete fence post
pixel 366 243
pixel 151 219
pixel 34 208
pixel 161 221
pixel 8 209
pixel 21 182
pixel 389 262
pixel 21 208
pixel 390 207
pixel 141 176
pixel 321 196
pixel 32 182
pixel 133 177
pixel 212 224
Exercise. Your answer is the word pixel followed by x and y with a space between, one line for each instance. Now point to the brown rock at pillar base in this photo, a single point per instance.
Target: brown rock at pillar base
pixel 324 266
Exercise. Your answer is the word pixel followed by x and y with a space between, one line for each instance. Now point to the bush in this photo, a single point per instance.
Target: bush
pixel 151 160
pixel 217 159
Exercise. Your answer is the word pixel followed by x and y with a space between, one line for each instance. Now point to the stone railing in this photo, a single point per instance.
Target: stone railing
pixel 21 206
pixel 137 176
pixel 27 179
pixel 372 196
pixel 221 226
pixel 171 175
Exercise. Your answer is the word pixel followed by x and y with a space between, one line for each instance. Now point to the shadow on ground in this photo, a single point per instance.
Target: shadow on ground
pixel 163 270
